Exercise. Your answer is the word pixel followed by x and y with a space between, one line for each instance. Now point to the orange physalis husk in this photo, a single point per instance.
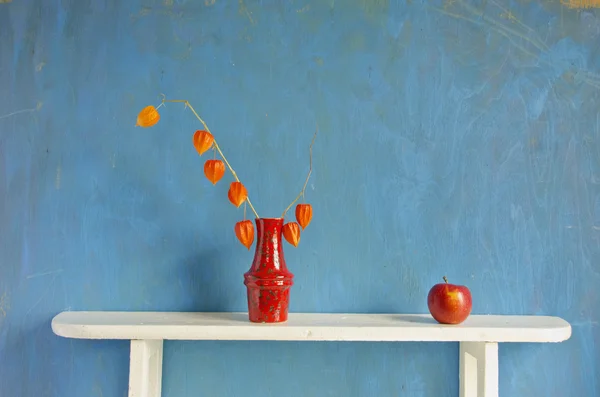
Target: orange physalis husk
pixel 203 140
pixel 214 170
pixel 291 232
pixel 244 231
pixel 237 193
pixel 303 214
pixel 147 117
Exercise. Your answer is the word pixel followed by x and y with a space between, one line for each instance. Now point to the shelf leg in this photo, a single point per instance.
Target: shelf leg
pixel 145 368
pixel 478 373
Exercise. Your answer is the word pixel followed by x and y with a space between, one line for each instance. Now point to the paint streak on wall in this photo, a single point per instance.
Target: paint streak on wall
pixel 4 306
pixel 303 9
pixel 581 3
pixel 37 107
pixel 243 10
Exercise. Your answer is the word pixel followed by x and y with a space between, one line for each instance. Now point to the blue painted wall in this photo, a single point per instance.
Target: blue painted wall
pixel 458 138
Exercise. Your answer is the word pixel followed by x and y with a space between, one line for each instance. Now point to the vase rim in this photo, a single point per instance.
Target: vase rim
pixel 270 218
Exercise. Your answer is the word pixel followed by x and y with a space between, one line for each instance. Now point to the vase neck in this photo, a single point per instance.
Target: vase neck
pixel 269 250
pixel 269 232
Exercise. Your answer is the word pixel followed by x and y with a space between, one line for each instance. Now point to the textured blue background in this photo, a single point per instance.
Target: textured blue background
pixel 458 138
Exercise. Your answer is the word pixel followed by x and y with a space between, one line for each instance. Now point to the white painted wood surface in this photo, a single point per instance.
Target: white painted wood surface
pixel 478 369
pixel 145 368
pixel 479 336
pixel 308 327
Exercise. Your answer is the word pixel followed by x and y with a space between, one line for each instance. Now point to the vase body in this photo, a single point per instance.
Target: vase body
pixel 268 281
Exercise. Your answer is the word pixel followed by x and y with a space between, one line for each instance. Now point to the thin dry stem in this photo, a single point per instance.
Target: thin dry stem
pixel 301 194
pixel 187 104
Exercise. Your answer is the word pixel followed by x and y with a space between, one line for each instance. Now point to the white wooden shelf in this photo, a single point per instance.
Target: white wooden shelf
pixel 478 336
pixel 308 327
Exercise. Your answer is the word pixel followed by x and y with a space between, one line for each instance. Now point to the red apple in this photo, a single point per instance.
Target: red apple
pixel 449 303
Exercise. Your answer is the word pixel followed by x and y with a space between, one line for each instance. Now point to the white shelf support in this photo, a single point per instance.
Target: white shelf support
pixel 478 369
pixel 145 368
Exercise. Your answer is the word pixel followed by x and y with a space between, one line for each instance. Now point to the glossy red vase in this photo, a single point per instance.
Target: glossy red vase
pixel 268 281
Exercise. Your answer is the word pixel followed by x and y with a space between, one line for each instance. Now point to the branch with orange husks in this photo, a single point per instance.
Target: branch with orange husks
pixel 214 170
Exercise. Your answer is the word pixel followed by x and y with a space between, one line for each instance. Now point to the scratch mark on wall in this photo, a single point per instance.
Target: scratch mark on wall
pixel 113 160
pixel 449 3
pixel 510 16
pixel 4 306
pixel 209 3
pixel 581 4
pixel 536 42
pixel 513 35
pixel 168 3
pixel 42 296
pixel 42 274
pixel 40 66
pixel 303 9
pixel 38 107
pixel 242 9
pixel 145 11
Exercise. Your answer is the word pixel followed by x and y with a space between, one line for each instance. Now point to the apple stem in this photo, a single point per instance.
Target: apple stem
pixel 445 279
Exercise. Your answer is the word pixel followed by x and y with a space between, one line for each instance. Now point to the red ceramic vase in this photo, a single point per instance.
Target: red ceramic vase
pixel 268 281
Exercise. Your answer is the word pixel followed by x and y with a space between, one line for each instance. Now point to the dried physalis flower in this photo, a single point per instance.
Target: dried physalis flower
pixel 147 117
pixel 244 231
pixel 291 232
pixel 237 193
pixel 303 214
pixel 203 140
pixel 214 170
